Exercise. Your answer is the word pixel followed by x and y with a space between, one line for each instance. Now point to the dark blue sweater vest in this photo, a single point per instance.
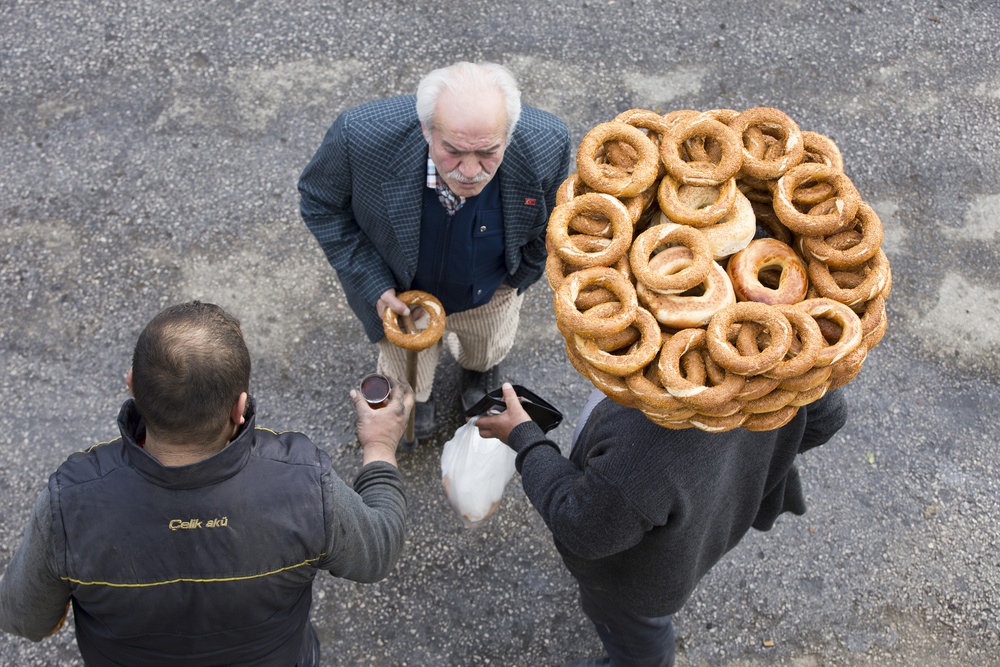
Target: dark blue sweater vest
pixel 461 259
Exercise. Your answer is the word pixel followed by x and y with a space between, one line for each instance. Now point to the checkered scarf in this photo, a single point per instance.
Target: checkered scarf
pixel 449 199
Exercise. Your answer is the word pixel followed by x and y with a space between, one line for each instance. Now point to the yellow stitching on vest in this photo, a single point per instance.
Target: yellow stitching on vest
pixel 264 428
pixel 93 447
pixel 195 581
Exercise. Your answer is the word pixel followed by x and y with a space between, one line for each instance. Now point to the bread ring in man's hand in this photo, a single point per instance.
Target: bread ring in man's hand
pixel 420 340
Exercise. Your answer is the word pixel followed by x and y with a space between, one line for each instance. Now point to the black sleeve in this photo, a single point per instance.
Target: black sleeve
pixel 823 419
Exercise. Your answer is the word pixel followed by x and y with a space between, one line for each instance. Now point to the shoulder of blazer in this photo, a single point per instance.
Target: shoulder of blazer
pixel 385 135
pixel 540 145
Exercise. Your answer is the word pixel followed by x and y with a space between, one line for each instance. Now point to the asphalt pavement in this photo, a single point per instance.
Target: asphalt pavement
pixel 149 153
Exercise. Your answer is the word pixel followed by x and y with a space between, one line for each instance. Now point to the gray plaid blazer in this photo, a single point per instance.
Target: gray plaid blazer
pixel 362 193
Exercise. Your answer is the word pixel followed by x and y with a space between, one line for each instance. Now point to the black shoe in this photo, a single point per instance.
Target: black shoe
pixel 423 418
pixel 475 384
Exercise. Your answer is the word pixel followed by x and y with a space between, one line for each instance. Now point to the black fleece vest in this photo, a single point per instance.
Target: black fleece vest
pixel 206 564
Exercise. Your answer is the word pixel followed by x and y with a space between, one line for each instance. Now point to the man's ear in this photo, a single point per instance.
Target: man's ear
pixel 236 414
pixel 426 132
pixel 128 382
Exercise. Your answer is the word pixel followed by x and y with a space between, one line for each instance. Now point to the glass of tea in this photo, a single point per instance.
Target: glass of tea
pixel 375 388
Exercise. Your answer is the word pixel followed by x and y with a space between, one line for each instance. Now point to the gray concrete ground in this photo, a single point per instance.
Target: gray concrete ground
pixel 150 153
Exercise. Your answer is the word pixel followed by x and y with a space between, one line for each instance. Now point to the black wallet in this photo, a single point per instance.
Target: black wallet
pixel 540 410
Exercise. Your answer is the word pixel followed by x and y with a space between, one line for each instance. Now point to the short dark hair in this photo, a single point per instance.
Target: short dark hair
pixel 189 367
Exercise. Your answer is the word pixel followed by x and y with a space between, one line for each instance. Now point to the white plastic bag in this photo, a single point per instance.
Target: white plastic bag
pixel 475 470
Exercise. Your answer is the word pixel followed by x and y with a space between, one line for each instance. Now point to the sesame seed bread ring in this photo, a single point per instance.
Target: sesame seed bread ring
pixel 595 223
pixel 744 269
pixel 756 143
pixel 606 205
pixel 693 173
pixel 772 122
pixel 698 395
pixel 874 314
pixel 592 296
pixel 836 216
pixel 571 188
pixel 718 424
pixel 685 279
pixel 815 376
pixel 705 149
pixel 770 402
pixel 725 353
pixel 845 318
pixel 645 120
pixel 695 205
pixel 734 231
pixel 612 179
pixel 637 356
pixel 724 116
pixel 852 247
pixel 556 269
pixel 848 368
pixel 420 340
pixel 666 422
pixel 613 386
pixel 810 395
pixel 807 341
pixel 672 118
pixel 768 421
pixel 710 372
pixel 874 273
pixel 666 417
pixel 590 326
pixel 681 311
pixel 806 330
pixel 617 341
pixel 757 386
pixel 809 194
pixel 645 384
pixel 652 123
pixel 821 149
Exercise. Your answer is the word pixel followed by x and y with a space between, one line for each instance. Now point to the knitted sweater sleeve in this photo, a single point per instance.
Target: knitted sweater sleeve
pixel 33 599
pixel 365 525
pixel 588 514
pixel 825 417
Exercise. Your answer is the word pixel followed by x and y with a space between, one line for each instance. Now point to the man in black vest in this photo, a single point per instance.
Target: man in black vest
pixel 194 538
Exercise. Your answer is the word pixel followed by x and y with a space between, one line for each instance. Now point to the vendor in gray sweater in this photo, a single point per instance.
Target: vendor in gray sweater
pixel 193 539
pixel 640 513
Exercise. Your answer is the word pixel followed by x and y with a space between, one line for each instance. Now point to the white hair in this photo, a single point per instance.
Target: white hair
pixel 466 77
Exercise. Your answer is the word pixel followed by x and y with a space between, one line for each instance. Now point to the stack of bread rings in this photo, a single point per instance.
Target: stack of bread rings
pixel 715 269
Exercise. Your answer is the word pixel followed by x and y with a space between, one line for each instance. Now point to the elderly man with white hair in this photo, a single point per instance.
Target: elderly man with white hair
pixel 447 192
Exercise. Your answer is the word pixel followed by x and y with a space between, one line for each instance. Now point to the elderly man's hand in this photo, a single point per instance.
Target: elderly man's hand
pixel 389 300
pixel 379 430
pixel 499 426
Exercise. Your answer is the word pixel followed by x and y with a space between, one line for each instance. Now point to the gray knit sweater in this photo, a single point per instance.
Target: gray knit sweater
pixel 643 512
